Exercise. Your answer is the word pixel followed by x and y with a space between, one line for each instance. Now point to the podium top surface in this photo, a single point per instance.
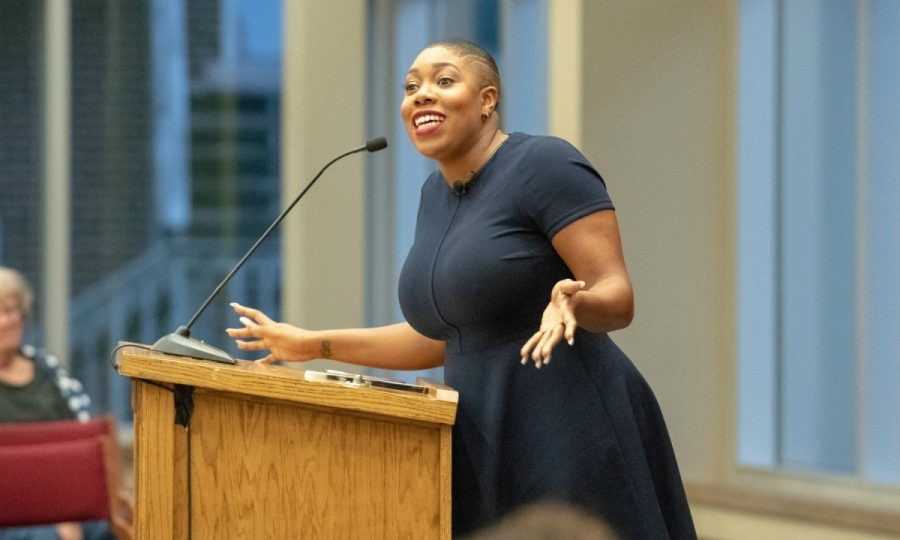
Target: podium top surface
pixel 285 384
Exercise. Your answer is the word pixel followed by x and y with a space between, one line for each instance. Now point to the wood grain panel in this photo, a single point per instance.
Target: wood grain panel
pixel 446 480
pixel 155 494
pixel 282 471
pixel 287 384
pixel 181 521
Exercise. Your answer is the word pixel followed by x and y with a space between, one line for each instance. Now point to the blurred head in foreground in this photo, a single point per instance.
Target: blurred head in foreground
pixel 547 521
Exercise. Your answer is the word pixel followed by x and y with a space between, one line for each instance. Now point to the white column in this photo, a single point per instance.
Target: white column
pixel 323 114
pixel 566 67
pixel 57 181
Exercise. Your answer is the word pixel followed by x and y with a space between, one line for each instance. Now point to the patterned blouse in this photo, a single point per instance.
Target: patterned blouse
pixel 51 395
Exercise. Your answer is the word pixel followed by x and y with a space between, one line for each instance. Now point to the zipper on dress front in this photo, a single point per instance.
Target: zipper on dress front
pixel 434 261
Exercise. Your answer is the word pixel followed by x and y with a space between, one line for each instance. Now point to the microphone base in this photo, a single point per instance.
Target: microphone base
pixel 193 348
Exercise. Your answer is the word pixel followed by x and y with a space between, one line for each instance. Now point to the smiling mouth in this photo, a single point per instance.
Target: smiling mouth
pixel 427 119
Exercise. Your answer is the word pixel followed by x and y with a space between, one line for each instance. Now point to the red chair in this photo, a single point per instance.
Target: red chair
pixel 55 472
pixel 59 431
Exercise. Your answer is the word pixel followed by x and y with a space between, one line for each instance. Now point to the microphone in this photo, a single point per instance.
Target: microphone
pixel 180 341
pixel 376 144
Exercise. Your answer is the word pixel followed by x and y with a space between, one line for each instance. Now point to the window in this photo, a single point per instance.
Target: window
pixel 21 145
pixel 174 109
pixel 819 237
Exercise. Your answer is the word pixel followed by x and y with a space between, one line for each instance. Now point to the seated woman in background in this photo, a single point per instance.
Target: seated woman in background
pixel 35 388
pixel 33 385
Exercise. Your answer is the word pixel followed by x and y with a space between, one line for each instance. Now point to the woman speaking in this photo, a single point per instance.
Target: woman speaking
pixel 516 262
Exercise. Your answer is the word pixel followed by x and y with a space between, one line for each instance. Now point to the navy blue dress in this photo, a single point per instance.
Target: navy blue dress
pixel 585 429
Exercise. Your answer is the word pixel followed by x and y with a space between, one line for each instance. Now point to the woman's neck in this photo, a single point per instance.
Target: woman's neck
pixel 15 369
pixel 464 167
pixel 8 358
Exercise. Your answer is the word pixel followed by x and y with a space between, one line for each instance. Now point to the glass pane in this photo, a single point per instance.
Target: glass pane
pixel 21 140
pixel 819 236
pixel 827 399
pixel 881 312
pixel 175 146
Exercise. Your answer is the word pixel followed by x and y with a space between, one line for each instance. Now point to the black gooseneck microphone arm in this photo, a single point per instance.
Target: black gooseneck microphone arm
pixel 180 342
pixel 371 146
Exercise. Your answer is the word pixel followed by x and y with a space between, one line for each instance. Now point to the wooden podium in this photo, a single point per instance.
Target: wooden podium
pixel 256 451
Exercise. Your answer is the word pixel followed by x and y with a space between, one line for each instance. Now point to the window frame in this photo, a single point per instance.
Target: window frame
pixel 847 500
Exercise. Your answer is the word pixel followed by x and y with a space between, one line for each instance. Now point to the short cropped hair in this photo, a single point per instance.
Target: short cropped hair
pixel 465 48
pixel 13 283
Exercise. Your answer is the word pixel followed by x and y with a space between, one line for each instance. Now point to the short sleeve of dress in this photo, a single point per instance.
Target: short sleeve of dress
pixel 561 186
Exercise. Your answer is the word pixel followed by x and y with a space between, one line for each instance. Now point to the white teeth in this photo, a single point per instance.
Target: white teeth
pixel 427 118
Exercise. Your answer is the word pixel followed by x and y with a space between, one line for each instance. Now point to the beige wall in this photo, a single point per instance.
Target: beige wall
pixel 324 115
pixel 658 122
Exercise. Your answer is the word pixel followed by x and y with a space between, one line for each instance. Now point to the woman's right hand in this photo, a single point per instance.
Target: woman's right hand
pixel 283 341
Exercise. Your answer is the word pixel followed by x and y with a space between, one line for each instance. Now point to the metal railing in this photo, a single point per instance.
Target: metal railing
pixel 156 292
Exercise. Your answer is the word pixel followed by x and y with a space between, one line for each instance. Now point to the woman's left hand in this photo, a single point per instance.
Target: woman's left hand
pixel 558 321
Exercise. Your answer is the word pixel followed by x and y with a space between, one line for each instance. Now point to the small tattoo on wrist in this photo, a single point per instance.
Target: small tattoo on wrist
pixel 326 348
